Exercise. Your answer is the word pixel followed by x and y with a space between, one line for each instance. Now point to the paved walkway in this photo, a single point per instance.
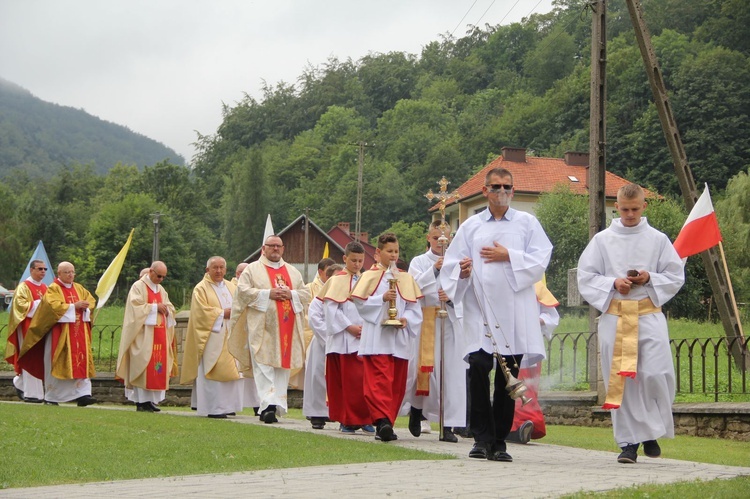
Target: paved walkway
pixel 538 470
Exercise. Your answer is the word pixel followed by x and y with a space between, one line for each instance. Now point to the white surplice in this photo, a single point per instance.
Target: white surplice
pixel 502 293
pixel 314 400
pixel 646 410
pixel 422 267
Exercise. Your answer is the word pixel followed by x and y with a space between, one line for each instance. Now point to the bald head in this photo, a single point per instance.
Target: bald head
pixel 157 272
pixel 240 268
pixel 66 272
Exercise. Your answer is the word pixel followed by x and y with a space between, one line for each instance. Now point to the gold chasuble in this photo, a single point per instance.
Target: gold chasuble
pixel 269 330
pixel 23 299
pixel 625 354
pixel 148 353
pixel 201 343
pixel 71 342
pixel 280 279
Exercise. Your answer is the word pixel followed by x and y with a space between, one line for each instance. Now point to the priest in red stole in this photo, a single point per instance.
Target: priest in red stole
pixel 147 356
pixel 267 327
pixel 26 300
pixel 62 323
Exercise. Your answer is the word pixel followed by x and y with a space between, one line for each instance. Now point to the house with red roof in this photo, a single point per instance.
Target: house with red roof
pixel 532 177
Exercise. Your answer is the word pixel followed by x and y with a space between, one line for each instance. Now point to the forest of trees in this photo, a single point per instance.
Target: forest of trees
pixel 445 111
pixel 39 137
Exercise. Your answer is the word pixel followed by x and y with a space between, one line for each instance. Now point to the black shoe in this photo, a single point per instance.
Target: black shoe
pixel 525 431
pixel 47 402
pixel 269 415
pixel 86 400
pixel 255 411
pixel 479 451
pixel 448 436
pixel 384 431
pixel 629 454
pixel 19 392
pixel 499 455
pixel 462 432
pixel 231 414
pixel 154 407
pixel 143 407
pixel 32 400
pixel 317 423
pixel 217 416
pixel 415 421
pixel 651 448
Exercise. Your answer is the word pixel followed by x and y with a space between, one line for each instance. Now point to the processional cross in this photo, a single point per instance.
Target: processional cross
pixel 443 199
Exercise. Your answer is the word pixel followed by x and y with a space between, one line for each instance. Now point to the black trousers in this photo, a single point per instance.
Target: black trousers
pixel 490 421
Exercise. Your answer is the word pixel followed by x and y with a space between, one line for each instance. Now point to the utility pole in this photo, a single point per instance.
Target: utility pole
pixel 711 261
pixel 307 242
pixel 155 249
pixel 360 173
pixel 597 159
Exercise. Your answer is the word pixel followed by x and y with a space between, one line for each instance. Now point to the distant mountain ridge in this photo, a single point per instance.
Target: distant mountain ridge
pixel 39 137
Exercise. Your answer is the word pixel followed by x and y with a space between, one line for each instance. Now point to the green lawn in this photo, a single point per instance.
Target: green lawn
pixel 78 446
pixel 57 445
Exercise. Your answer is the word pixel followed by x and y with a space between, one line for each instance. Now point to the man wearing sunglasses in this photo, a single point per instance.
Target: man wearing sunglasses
pixel 147 356
pixel 26 300
pixel 507 252
pixel 62 323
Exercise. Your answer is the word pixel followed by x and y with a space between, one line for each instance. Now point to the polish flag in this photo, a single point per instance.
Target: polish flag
pixel 701 229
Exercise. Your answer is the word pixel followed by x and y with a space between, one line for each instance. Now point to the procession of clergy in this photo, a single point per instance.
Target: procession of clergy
pixel 367 346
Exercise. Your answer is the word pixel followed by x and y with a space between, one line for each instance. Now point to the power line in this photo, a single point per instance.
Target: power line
pixel 462 19
pixel 534 8
pixel 488 9
pixel 506 14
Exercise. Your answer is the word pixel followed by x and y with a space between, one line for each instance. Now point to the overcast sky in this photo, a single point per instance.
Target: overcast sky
pixel 163 68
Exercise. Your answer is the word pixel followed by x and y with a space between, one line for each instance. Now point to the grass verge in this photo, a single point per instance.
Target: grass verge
pixel 58 445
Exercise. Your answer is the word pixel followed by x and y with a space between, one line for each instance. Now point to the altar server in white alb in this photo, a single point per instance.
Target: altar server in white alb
pixel 424 394
pixel 314 404
pixel 628 272
pixel 508 252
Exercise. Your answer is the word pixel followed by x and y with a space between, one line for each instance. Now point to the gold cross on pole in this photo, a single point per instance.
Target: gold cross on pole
pixel 443 199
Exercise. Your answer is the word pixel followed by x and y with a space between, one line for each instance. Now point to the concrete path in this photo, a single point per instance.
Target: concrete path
pixel 538 470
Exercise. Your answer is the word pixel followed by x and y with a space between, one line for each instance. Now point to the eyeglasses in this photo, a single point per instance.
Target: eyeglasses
pixel 499 187
pixel 159 276
pixel 40 268
pixel 274 246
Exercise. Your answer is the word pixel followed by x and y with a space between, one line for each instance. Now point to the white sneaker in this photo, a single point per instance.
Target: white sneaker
pixel 426 428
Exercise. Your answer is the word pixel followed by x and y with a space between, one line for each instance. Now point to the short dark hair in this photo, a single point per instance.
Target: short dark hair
pixel 354 247
pixel 332 269
pixel 388 237
pixel 500 172
pixel 34 263
pixel 325 263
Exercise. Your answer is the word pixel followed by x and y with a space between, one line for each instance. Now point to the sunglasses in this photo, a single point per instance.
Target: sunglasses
pixel 40 268
pixel 498 187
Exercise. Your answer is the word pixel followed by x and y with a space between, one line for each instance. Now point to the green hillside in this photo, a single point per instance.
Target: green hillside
pixel 39 137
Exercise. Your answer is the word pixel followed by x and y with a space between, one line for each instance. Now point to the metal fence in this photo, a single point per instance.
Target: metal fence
pixel 703 366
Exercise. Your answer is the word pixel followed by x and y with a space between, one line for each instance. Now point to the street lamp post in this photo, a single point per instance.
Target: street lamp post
pixel 155 252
